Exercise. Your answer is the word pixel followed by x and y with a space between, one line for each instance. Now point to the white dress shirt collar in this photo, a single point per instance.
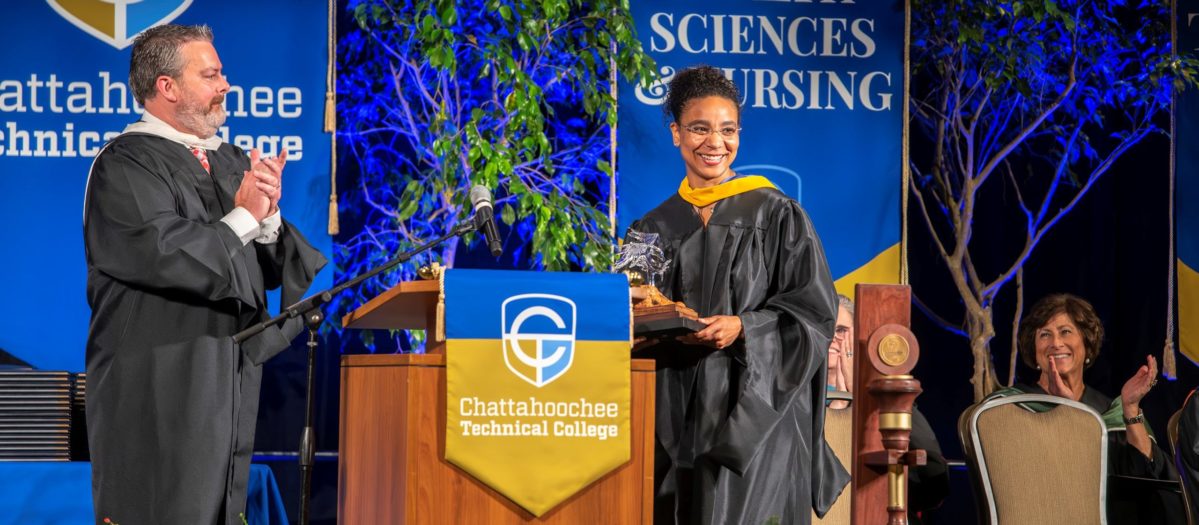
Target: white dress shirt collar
pixel 155 126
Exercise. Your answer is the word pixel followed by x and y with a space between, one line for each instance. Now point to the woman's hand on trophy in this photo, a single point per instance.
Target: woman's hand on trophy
pixel 721 331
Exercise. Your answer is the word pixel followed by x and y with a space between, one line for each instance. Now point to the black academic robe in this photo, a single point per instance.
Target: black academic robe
pixel 738 440
pixel 171 401
pixel 1187 459
pixel 928 484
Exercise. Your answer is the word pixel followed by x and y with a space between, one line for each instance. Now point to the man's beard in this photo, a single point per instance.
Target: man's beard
pixel 203 120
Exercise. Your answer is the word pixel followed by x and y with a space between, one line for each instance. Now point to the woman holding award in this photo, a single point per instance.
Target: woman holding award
pixel 740 417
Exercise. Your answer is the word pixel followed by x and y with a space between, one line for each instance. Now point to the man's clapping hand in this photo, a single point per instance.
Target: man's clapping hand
pixel 262 185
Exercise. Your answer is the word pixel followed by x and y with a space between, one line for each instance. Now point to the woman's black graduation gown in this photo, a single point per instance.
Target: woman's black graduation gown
pixel 740 431
pixel 171 401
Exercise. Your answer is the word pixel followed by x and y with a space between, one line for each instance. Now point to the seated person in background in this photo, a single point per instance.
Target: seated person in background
pixel 840 352
pixel 927 485
pixel 1060 337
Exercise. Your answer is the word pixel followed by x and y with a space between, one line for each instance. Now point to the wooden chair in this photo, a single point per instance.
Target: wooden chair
pixel 838 431
pixel 1036 467
pixel 1172 433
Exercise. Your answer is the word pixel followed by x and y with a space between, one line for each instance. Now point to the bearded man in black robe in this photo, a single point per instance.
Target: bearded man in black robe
pixel 740 403
pixel 183 237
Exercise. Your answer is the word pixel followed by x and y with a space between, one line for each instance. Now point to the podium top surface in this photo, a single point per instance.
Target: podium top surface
pixel 408 306
pixel 438 360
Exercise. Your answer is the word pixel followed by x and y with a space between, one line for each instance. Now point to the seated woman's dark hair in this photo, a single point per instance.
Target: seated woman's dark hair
pixel 1080 312
pixel 698 82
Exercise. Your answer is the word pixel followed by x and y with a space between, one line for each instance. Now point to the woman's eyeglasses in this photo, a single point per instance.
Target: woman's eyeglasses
pixel 700 130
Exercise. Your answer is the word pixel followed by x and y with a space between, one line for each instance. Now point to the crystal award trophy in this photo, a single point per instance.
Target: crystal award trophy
pixel 654 315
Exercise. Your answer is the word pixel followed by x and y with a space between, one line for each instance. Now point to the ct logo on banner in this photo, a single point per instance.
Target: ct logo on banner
pixel 118 22
pixel 786 179
pixel 539 321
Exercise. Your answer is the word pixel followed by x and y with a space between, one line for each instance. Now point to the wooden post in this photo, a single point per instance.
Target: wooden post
pixel 882 408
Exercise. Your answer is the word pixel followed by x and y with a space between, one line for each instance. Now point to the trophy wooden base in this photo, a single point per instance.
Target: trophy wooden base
pixel 666 320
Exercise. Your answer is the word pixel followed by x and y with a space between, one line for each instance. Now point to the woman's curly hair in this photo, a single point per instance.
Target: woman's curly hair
pixel 698 82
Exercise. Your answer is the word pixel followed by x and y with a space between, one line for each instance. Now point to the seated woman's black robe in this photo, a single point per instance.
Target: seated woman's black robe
pixel 738 440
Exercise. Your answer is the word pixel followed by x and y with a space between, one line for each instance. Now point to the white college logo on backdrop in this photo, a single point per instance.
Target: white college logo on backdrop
pixel 539 336
pixel 118 22
pixel 785 179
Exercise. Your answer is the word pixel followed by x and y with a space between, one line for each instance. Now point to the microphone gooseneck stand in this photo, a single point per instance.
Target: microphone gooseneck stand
pixel 313 317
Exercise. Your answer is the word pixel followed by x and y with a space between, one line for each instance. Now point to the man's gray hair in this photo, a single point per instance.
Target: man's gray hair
pixel 156 52
pixel 845 303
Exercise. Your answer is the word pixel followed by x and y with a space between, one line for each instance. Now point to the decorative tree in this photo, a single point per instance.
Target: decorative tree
pixel 1039 96
pixel 438 95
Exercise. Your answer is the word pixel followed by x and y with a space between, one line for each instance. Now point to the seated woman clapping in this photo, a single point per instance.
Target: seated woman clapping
pixel 1061 337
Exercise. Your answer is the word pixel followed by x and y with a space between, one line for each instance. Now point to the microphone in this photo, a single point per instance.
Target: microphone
pixel 480 198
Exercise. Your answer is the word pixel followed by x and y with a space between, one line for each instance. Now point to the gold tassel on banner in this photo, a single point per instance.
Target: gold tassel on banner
pixel 330 111
pixel 334 226
pixel 331 118
pixel 440 335
pixel 1169 369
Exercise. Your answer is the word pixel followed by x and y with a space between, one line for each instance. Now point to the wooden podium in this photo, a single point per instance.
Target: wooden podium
pixel 392 466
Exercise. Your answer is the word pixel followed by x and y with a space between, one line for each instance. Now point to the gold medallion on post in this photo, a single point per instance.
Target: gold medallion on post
pixel 894 350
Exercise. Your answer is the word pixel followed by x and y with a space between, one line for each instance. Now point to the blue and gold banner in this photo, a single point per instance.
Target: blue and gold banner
pixel 64 92
pixel 822 115
pixel 1186 198
pixel 537 380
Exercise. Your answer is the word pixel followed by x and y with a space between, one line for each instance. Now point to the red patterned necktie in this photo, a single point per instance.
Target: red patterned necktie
pixel 202 156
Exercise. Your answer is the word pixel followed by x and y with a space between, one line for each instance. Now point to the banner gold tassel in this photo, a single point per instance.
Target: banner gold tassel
pixel 1169 369
pixel 334 227
pixel 440 335
pixel 330 111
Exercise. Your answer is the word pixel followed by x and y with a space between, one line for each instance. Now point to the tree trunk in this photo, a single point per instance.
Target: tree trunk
pixel 1011 375
pixel 981 330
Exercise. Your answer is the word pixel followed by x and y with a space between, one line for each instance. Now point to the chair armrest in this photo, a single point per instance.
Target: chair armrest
pixel 1117 482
